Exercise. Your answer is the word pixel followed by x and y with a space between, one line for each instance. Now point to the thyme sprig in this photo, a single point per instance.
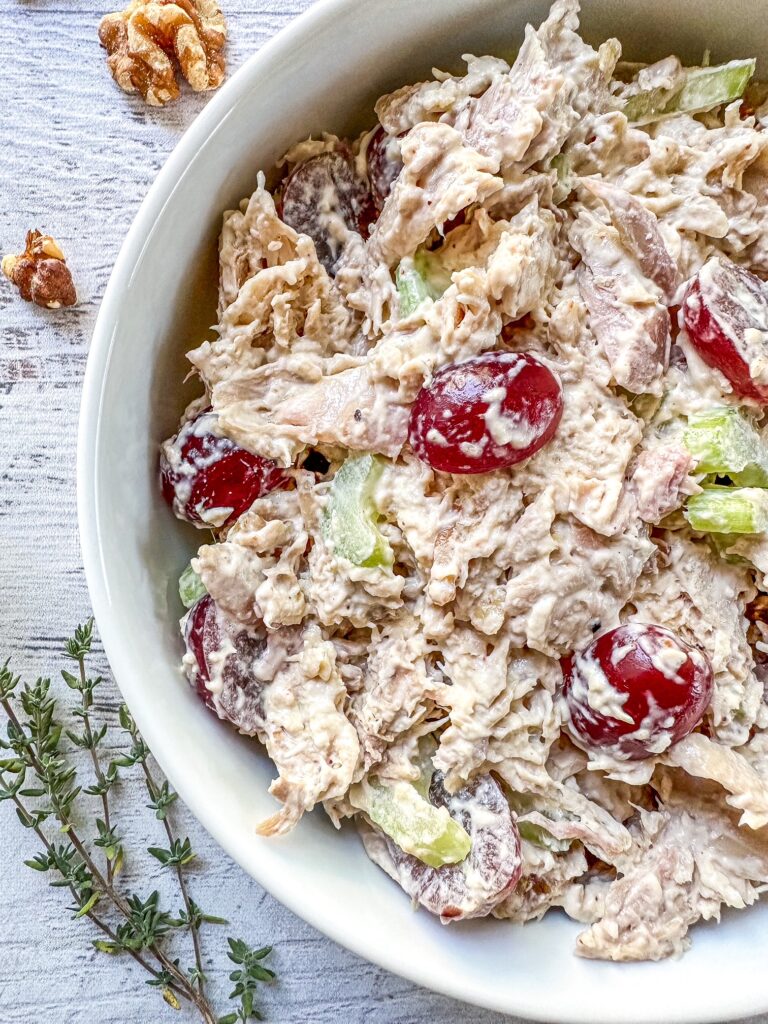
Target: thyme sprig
pixel 39 777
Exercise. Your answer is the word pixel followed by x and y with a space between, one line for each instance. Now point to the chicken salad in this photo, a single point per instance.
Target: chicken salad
pixel 483 457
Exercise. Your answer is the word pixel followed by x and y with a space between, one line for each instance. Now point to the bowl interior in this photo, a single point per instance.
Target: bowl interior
pixel 323 73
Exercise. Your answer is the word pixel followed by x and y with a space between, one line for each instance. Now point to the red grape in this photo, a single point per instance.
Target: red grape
pixel 384 164
pixel 725 312
pixel 323 197
pixel 492 869
pixel 486 413
pixel 636 690
pixel 222 664
pixel 208 479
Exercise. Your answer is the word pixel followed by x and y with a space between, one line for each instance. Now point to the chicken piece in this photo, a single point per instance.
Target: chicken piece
pixel 527 724
pixel 546 879
pixel 661 482
pixel 621 799
pixel 527 115
pixel 584 899
pixel 753 548
pixel 253 575
pixel 690 859
pixel 476 514
pixel 403 759
pixel 703 599
pixel 485 681
pixel 279 409
pixel 313 745
pixel 702 758
pixel 588 460
pixel 413 496
pixel 726 165
pixel 568 582
pixel 462 323
pixel 274 296
pixel 396 688
pixel 627 317
pixel 410 105
pixel 563 810
pixel 366 284
pixel 639 233
pixel 440 177
pixel 520 187
pixel 523 267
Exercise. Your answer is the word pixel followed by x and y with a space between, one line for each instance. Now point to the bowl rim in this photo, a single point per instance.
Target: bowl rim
pixel 321 13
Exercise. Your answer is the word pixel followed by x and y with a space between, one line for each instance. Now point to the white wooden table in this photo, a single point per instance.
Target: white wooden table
pixel 76 158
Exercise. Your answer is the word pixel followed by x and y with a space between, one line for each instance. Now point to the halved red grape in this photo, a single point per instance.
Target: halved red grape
pixel 323 198
pixel 486 413
pixel 636 690
pixel 384 164
pixel 474 886
pixel 222 664
pixel 725 312
pixel 208 479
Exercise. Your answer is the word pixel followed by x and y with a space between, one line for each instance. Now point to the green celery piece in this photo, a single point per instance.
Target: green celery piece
pixel 539 836
pixel 562 164
pixel 417 826
pixel 411 287
pixel 728 510
pixel 702 89
pixel 349 518
pixel 430 266
pixel 419 278
pixel 191 587
pixel 723 441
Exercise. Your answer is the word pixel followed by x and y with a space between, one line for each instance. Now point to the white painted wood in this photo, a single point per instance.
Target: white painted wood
pixel 76 158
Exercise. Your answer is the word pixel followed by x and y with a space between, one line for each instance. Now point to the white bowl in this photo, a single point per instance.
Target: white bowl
pixel 323 72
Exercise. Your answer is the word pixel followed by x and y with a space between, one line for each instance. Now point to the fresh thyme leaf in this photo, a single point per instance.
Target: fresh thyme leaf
pixel 106 947
pixel 180 853
pixel 88 906
pixel 72 681
pixel 163 799
pixel 79 646
pixel 246 979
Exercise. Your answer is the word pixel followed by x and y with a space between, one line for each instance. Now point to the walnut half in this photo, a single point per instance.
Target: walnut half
pixel 141 39
pixel 41 273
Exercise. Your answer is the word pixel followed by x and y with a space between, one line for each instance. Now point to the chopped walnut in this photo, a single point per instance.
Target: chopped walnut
pixel 141 39
pixel 41 273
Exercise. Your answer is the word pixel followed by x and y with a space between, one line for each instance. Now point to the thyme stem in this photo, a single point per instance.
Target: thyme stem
pixel 87 700
pixel 192 917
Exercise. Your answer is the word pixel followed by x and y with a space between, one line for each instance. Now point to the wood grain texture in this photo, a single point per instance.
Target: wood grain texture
pixel 76 158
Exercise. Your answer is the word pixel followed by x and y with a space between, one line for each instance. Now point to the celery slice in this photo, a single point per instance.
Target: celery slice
pixel 411 287
pixel 419 278
pixel 703 89
pixel 191 587
pixel 539 836
pixel 349 518
pixel 723 441
pixel 417 826
pixel 564 186
pixel 729 510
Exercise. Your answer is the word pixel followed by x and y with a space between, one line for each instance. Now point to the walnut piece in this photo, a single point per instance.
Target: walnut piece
pixel 41 273
pixel 141 39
